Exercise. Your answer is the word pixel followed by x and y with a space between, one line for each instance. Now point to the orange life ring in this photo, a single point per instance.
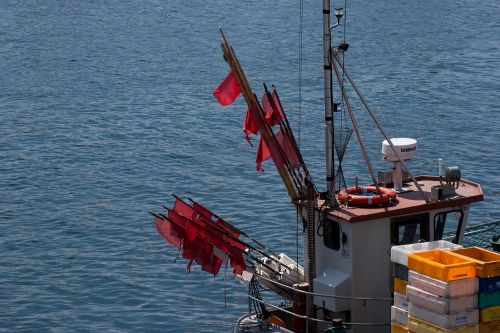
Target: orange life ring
pixel 355 195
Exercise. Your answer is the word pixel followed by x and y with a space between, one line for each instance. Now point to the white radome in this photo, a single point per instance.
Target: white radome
pixel 406 148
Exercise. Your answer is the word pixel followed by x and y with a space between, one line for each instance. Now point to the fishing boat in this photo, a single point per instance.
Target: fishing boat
pixel 354 235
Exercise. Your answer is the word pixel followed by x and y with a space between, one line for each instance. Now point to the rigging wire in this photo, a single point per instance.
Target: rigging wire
pixel 301 17
pixel 314 319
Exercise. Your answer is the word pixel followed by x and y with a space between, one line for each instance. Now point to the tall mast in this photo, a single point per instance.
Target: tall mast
pixel 330 178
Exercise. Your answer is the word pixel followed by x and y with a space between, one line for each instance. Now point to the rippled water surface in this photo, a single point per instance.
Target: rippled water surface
pixel 106 109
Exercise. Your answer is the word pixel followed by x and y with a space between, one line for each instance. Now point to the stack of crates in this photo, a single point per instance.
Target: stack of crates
pixel 399 257
pixel 487 264
pixel 442 293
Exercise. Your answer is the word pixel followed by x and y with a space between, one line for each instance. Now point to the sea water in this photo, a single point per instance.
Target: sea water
pixel 106 108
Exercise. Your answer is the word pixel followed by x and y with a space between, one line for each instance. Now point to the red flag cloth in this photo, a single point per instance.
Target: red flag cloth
pixel 178 219
pixel 279 111
pixel 228 90
pixel 249 127
pixel 202 210
pixel 262 154
pixel 201 237
pixel 183 208
pixel 194 244
pixel 237 260
pixel 285 142
pixel 228 228
pixel 213 266
pixel 273 111
pixel 170 231
pixel 219 222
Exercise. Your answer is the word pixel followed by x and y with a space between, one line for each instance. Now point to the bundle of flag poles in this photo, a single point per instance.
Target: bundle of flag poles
pixel 202 237
pixel 205 238
pixel 267 118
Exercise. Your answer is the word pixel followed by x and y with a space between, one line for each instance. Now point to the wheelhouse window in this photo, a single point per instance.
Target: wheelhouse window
pixel 332 235
pixel 448 222
pixel 410 229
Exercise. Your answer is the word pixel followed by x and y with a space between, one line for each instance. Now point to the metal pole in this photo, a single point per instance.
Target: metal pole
pixel 330 178
pixel 311 256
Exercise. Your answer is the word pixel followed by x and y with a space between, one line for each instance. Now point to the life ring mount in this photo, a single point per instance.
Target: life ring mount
pixel 366 195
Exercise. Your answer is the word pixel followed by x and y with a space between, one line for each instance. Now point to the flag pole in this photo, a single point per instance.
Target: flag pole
pixel 294 142
pixel 298 181
pixel 293 176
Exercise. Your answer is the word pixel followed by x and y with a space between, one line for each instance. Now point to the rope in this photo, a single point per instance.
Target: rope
pixel 297 244
pixel 301 17
pixel 325 295
pixel 314 319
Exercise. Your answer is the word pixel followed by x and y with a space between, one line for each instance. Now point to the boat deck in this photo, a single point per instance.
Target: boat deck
pixel 411 201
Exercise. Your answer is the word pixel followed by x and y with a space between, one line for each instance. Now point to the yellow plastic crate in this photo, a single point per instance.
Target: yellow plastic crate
pixel 398 328
pixel 442 265
pixel 487 262
pixel 489 314
pixel 420 326
pixel 400 285
pixel 491 327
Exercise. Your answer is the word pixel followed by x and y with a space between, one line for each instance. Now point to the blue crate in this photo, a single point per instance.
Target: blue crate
pixel 488 285
pixel 400 271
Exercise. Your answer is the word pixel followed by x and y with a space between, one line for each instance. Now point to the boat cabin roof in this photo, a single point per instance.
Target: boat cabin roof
pixel 411 201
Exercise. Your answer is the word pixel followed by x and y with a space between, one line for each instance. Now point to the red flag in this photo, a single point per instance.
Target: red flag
pixel 194 244
pixel 183 208
pixel 249 127
pixel 274 115
pixel 236 258
pixel 178 219
pixel 226 226
pixel 233 231
pixel 202 210
pixel 172 232
pixel 262 154
pixel 213 265
pixel 228 90
pixel 280 113
pixel 287 147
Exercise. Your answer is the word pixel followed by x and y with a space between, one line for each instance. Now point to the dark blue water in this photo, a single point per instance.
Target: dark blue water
pixel 106 108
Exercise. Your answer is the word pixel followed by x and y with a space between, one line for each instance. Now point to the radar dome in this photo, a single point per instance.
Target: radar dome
pixel 406 148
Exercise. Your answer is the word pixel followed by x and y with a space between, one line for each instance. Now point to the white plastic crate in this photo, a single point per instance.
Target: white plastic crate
pixel 401 301
pixel 443 288
pixel 399 316
pixel 446 320
pixel 441 304
pixel 399 253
